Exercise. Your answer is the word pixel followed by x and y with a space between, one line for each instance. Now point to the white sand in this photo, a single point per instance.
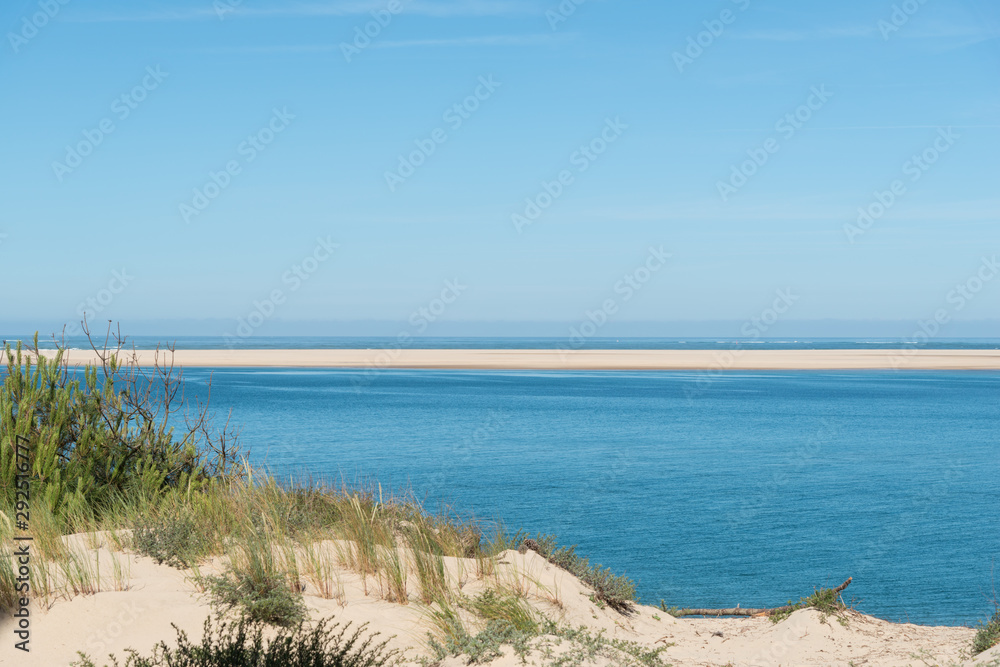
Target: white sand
pixel 693 360
pixel 157 596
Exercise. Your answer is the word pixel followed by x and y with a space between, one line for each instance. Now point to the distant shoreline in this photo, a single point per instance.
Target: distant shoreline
pixel 513 359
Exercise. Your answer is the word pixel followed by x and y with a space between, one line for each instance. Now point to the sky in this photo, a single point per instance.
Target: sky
pixel 504 165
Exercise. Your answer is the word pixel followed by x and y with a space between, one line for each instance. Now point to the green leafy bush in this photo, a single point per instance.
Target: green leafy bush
pixel 259 586
pixel 172 538
pixel 98 432
pixel 617 591
pixel 485 645
pixel 242 645
pixel 988 635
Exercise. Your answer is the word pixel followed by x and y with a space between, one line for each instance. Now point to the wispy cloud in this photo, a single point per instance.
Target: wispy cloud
pixel 488 40
pixel 485 40
pixel 801 35
pixel 435 8
pixel 934 31
pixel 868 127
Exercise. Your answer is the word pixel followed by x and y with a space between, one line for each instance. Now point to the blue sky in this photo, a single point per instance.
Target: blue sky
pixel 873 86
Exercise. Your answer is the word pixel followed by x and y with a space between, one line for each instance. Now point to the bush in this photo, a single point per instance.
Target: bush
pixel 988 635
pixel 243 645
pixel 258 586
pixel 172 538
pixel 102 432
pixel 485 646
pixel 617 591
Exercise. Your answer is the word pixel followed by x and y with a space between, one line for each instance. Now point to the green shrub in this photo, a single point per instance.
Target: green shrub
pixel 585 647
pixel 257 585
pixel 100 432
pixel 484 646
pixel 988 635
pixel 825 600
pixel 172 538
pixel 242 645
pixel 617 591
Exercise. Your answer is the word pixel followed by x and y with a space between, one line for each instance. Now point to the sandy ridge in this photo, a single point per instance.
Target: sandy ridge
pixel 692 360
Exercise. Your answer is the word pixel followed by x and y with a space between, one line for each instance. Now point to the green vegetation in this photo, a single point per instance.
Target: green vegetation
pixel 577 646
pixel 93 435
pixel 616 591
pixel 987 635
pixel 825 600
pixel 242 645
pixel 260 585
pixel 170 537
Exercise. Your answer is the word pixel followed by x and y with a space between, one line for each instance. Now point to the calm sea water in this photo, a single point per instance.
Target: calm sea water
pixel 747 488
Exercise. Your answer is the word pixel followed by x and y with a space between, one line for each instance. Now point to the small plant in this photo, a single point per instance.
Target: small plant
pixel 825 600
pixel 586 647
pixel 321 572
pixel 494 606
pixel 242 645
pixel 484 646
pixel 256 584
pixel 673 611
pixel 428 564
pixel 617 591
pixel 657 617
pixel 172 538
pixel 987 635
pixel 8 585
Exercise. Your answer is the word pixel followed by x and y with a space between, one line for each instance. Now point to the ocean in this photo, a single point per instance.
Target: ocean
pixel 710 490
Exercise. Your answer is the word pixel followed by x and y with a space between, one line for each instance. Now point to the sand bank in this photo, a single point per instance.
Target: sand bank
pixel 690 360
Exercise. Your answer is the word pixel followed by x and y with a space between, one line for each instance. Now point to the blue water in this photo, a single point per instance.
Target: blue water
pixel 334 342
pixel 750 488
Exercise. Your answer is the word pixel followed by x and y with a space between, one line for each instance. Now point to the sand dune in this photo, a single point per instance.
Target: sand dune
pixel 156 596
pixel 693 360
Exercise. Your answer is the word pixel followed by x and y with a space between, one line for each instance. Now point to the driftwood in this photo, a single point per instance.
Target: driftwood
pixel 737 611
